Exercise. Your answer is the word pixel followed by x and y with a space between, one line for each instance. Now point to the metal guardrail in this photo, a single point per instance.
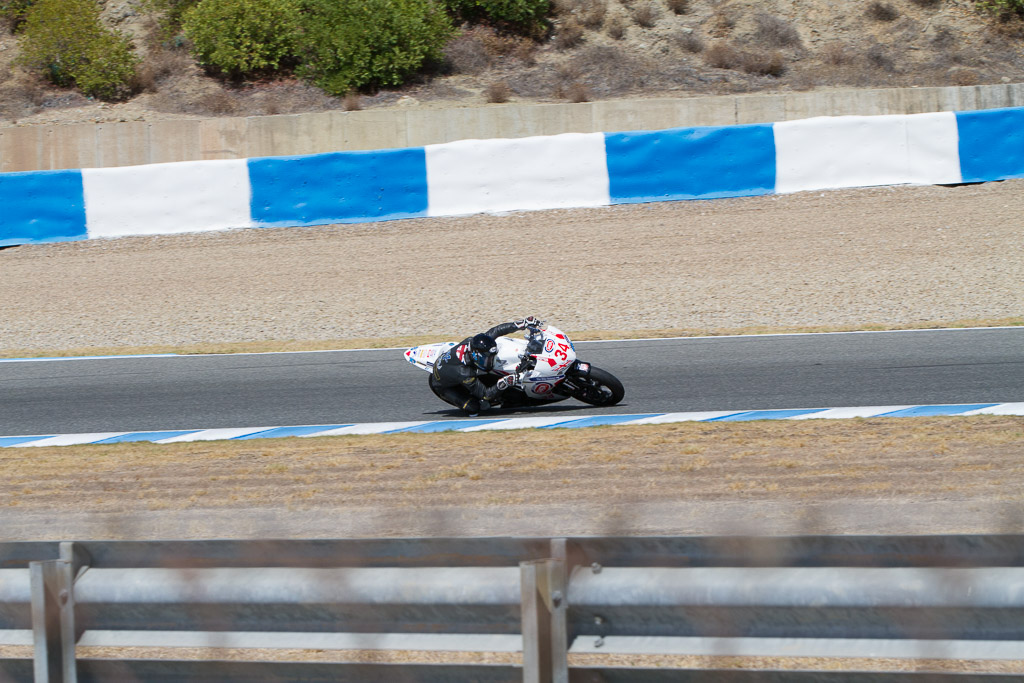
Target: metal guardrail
pixel 918 597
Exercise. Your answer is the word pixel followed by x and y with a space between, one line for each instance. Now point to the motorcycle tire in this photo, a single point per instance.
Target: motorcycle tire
pixel 599 388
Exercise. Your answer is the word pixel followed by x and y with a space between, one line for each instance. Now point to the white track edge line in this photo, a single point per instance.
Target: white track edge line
pixel 588 341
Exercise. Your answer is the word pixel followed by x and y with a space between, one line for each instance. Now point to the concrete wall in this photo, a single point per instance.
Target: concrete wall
pixel 29 148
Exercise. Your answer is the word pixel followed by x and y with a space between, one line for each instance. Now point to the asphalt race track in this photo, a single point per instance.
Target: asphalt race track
pixel 715 373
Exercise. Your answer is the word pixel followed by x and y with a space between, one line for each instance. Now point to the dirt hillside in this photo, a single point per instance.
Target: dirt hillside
pixel 597 49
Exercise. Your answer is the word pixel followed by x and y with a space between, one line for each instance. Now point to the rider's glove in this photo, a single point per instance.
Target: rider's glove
pixel 506 382
pixel 529 321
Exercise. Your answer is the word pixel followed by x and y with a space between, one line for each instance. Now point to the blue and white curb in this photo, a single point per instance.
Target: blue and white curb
pixel 485 425
pixel 572 170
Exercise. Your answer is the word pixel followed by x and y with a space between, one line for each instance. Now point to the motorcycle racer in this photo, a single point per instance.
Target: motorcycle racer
pixel 456 376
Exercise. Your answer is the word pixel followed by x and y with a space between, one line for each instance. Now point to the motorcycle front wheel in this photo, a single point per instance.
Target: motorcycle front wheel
pixel 598 388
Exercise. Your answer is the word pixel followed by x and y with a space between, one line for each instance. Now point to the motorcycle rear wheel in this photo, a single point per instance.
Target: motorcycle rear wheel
pixel 599 388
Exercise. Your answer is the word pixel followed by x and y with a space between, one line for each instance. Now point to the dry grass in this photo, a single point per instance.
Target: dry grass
pixel 763 63
pixel 498 92
pixel 593 12
pixel 775 31
pixel 899 458
pixel 723 56
pixel 689 42
pixel 353 101
pixel 575 92
pixel 962 76
pixel 616 27
pixel 408 341
pixel 679 6
pixel 569 35
pixel 836 54
pixel 882 11
pixel 646 14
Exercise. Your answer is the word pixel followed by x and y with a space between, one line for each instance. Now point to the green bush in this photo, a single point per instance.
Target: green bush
pixel 1001 7
pixel 12 12
pixel 66 42
pixel 243 37
pixel 526 16
pixel 350 45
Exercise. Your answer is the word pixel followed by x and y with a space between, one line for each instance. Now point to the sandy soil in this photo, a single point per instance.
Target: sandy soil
pixel 890 256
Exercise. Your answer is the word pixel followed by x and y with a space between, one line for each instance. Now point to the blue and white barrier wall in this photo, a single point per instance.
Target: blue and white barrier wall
pixel 471 176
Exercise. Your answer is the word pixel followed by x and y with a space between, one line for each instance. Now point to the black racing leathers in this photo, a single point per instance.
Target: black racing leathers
pixel 457 382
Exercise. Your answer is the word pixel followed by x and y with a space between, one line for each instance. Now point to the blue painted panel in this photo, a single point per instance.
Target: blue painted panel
pixel 444 426
pixel 340 187
pixel 991 144
pixel 145 436
pixel 763 415
pixel 598 421
pixel 926 411
pixel 41 206
pixel 15 440
pixel 691 163
pixel 278 432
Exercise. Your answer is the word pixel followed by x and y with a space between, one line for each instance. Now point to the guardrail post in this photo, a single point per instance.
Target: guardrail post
pixel 545 647
pixel 53 616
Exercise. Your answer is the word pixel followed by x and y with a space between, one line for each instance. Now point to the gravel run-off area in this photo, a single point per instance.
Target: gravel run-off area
pixel 893 256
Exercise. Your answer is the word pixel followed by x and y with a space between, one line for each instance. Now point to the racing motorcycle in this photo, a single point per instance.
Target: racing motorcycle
pixel 544 366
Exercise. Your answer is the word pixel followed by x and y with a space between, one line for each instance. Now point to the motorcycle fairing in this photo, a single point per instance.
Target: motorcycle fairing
pixel 425 356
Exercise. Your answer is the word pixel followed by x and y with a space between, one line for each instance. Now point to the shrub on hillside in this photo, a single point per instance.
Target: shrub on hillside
pixel 352 45
pixel 763 63
pixel 65 41
pixel 243 37
pixel 498 92
pixel 12 12
pixel 524 16
pixel 882 11
pixel 593 13
pixel 1001 7
pixel 570 34
pixel 689 41
pixel 723 56
pixel 646 14
pixel 775 31
pixel 679 6
pixel 617 27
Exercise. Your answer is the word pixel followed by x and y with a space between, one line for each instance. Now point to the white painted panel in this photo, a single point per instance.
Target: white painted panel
pixel 372 428
pixel 861 151
pixel 999 409
pixel 519 423
pixel 551 172
pixel 933 147
pixel 73 439
pixel 669 418
pixel 845 413
pixel 158 199
pixel 214 434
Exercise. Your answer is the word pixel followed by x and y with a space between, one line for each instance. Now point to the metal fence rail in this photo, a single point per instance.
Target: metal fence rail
pixel 860 597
